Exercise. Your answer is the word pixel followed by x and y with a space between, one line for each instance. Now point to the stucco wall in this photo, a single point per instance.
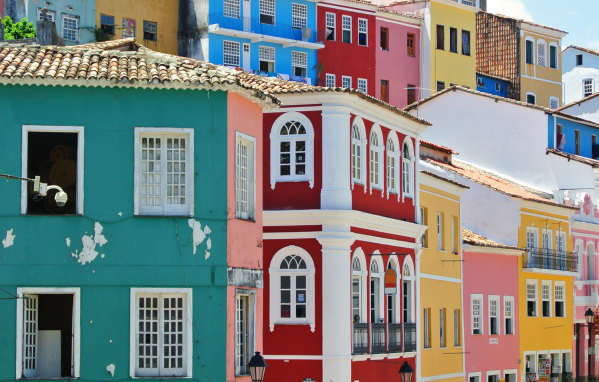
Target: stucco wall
pixel 85 10
pixel 573 75
pixel 587 110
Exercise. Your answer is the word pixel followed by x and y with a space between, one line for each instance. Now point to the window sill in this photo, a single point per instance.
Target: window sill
pixel 160 377
pixel 249 220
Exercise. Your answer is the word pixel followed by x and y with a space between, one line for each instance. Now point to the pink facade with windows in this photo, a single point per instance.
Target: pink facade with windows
pixel 397 76
pixel 336 221
pixel 491 313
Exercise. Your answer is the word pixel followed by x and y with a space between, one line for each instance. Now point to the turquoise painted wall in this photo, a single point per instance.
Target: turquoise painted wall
pixel 141 251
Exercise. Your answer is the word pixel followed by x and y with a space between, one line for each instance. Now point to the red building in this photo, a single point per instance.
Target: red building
pixel 339 238
pixel 348 30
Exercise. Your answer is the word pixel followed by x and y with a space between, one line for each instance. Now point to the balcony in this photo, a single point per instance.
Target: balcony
pixel 550 259
pixel 381 338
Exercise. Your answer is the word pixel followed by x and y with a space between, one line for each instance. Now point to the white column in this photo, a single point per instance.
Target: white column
pixel 336 182
pixel 336 306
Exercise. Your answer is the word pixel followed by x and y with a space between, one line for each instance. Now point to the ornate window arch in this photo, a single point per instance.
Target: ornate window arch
pixel 376 289
pixel 291 288
pixel 292 149
pixel 358 147
pixel 376 158
pixel 591 274
pixel 407 168
pixel 359 279
pixel 394 300
pixel 407 291
pixel 393 152
pixel 578 249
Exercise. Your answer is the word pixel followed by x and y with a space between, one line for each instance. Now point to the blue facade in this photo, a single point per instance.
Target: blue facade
pixel 281 35
pixel 568 142
pixel 491 85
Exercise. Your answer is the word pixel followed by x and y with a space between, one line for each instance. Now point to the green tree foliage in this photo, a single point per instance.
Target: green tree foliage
pixel 16 31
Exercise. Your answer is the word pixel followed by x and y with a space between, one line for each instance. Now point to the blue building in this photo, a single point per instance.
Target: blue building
pixel 573 135
pixel 75 20
pixel 269 37
pixel 492 85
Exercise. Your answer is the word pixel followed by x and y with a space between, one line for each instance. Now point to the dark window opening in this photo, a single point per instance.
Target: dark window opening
pixel 480 82
pixel 299 71
pixel 529 50
pixel 385 90
pixel 497 87
pixel 346 37
pixel 466 43
pixel 453 40
pixel 267 19
pixel 107 24
pixel 559 138
pixel 508 326
pixel 553 57
pixel 267 66
pixel 384 38
pixel 559 309
pixel 531 308
pixel 531 99
pixel 330 34
pixel 577 142
pixel 411 45
pixel 578 59
pixel 440 85
pixel 494 326
pixel 411 94
pixel 52 157
pixel 150 31
pixel 546 309
pixel 440 37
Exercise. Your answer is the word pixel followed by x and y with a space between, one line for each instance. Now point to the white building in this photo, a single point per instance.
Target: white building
pixel 580 73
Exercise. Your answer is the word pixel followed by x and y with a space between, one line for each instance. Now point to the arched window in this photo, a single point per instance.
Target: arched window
pixel 393 302
pixel 392 164
pixel 358 146
pixel 578 246
pixel 590 261
pixel 376 158
pixel 407 167
pixel 376 284
pixel 407 291
pixel 292 149
pixel 358 287
pixel 291 287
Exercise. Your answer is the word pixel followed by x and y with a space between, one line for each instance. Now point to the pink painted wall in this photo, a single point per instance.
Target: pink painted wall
pixel 481 355
pixel 394 65
pixel 244 238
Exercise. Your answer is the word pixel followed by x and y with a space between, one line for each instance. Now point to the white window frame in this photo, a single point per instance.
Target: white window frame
pixel 232 8
pixel 76 328
pixel 251 297
pixel 49 12
pixel 535 250
pixel 555 100
pixel 363 277
pixel 591 83
pixel 535 357
pixel 299 59
pixel 578 249
pixel 475 375
pixel 408 277
pixel 393 172
pixel 479 298
pixel 536 299
pixel 231 54
pixel 545 284
pixel 561 285
pixel 495 299
pixel 187 326
pixel 268 8
pixel 275 150
pixel 189 208
pixel 360 143
pixel 407 168
pixel 344 19
pixel 79 130
pixel 511 301
pixel 440 231
pixel 379 309
pixel 513 372
pixel 245 139
pixel 363 85
pixel 274 288
pixel 329 16
pixel 268 54
pixel 426 328
pixel 492 373
pixel 590 259
pixel 552 44
pixel 541 56
pixel 76 30
pixel 299 15
pixel 375 159
pixel 362 29
pixel 330 80
pixel 344 79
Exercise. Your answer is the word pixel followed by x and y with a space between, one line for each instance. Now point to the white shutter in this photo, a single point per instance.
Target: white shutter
pixel 30 338
pixel 173 362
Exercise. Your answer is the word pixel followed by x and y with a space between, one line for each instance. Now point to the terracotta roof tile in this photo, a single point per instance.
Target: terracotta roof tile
pixel 577 158
pixel 469 237
pixel 581 48
pixel 438 147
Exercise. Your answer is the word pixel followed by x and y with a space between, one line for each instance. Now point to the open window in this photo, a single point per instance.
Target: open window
pixel 56 155
pixel 48 333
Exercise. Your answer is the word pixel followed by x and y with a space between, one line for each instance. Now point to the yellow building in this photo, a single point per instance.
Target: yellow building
pixel 546 278
pixel 541 64
pixel 448 42
pixel 153 23
pixel 440 315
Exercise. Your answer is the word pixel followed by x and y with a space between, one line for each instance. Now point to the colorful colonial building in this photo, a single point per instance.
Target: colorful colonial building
pixel 340 236
pixel 580 73
pixel 118 282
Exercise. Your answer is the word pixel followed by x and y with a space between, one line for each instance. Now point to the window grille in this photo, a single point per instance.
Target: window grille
pixel 330 80
pixel 346 82
pixel 346 28
pixel 299 63
pixel 331 26
pixel 244 178
pixel 70 28
pixel 231 53
pixel 232 8
pixel 363 85
pixel 299 15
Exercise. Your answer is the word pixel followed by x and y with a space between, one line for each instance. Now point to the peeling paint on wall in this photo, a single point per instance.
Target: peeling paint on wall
pixel 68 242
pixel 88 253
pixel 110 368
pixel 9 241
pixel 199 235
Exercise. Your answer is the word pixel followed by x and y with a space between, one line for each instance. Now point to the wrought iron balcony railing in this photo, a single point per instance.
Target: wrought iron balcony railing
pixel 409 337
pixel 395 338
pixel 360 338
pixel 550 259
pixel 378 338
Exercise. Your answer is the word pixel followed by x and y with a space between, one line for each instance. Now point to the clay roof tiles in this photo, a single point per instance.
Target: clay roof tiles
pixel 469 237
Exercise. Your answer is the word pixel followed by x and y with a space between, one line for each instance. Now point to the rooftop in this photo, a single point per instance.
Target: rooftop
pixel 469 237
pixel 576 158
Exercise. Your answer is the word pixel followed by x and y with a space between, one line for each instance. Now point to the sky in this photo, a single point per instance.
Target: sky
pixel 577 17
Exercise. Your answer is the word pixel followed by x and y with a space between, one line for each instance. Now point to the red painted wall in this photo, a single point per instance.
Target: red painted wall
pixel 381 370
pixel 293 195
pixel 292 370
pixel 1 8
pixel 293 339
pixel 340 58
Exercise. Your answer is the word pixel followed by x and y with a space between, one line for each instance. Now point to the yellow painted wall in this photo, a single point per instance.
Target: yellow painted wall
pixel 542 89
pixel 164 12
pixel 436 294
pixel 544 333
pixel 450 67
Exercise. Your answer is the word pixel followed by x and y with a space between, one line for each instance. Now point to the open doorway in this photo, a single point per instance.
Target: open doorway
pixel 48 336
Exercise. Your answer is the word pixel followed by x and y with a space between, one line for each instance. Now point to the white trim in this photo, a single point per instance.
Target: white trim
pixel 557 56
pixel 480 298
pixel 531 94
pixel 497 300
pixel 259 37
pixel 542 216
pixel 356 236
pixel 188 292
pixel 359 254
pixel 513 315
pixel 387 19
pixel 540 79
pixel 358 123
pixel 252 198
pixel 348 9
pixel 79 130
pixel 534 282
pixel 76 325
pixel 550 284
pixel 189 207
pixel 492 372
pixel 440 278
pixel 564 300
pixel 380 150
pixel 476 374
pixel 442 376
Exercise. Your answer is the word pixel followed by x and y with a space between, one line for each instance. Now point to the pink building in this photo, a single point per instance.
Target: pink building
pixel 585 233
pixel 397 76
pixel 490 309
